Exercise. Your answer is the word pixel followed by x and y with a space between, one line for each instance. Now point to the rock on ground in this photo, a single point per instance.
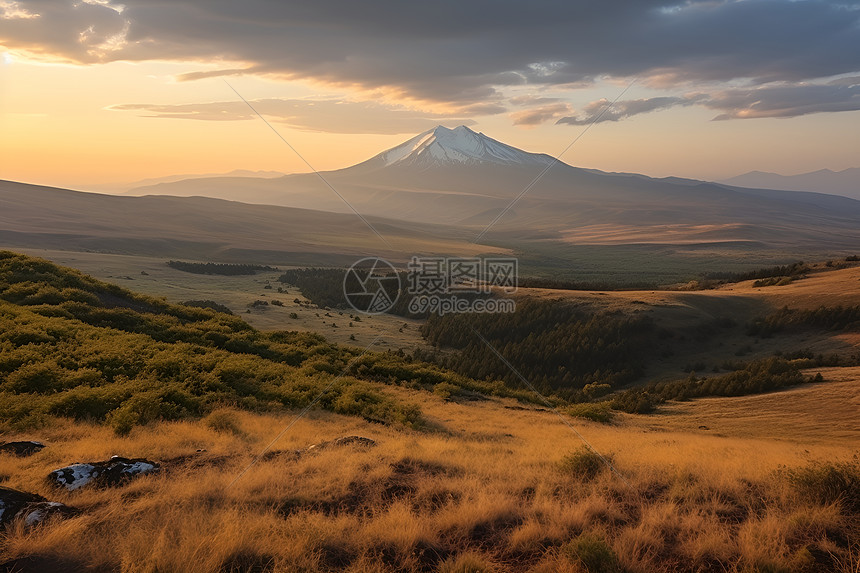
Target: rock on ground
pixel 32 508
pixel 113 472
pixel 22 449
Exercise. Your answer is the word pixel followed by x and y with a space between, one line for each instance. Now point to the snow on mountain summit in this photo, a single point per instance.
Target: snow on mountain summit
pixel 461 145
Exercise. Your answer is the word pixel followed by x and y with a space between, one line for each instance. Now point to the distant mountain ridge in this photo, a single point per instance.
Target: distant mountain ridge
pixel 130 187
pixel 845 182
pixel 234 173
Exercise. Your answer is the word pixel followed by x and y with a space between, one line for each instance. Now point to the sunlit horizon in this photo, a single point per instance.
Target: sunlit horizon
pixel 74 125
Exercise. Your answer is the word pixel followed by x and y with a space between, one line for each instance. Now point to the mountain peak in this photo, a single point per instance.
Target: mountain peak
pixel 460 145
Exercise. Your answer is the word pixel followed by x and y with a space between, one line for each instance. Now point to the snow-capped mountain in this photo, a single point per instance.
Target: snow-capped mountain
pixel 465 180
pixel 461 145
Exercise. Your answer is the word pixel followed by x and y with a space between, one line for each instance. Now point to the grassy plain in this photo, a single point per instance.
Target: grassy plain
pixel 755 484
pixel 494 488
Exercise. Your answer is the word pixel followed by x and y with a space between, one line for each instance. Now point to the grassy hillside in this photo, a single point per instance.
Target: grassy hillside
pixel 583 349
pixel 76 347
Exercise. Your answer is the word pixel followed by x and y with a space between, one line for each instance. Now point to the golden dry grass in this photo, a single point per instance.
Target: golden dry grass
pixel 485 492
pixel 811 415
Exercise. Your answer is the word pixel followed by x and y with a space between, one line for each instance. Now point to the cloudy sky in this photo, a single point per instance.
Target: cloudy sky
pixel 95 91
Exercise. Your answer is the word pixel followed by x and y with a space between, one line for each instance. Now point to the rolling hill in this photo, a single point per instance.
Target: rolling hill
pixel 205 228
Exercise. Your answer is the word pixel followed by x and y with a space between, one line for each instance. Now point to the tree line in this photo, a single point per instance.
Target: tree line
pixel 794 270
pixel 225 269
pixel 823 317
pixel 557 347
pixel 755 377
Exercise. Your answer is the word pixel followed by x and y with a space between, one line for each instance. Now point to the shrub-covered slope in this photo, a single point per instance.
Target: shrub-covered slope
pixel 76 347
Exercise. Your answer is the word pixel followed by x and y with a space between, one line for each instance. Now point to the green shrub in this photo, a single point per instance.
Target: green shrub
pixel 40 378
pixel 794 270
pixel 223 421
pixel 829 482
pixel 773 281
pixel 635 402
pixel 756 377
pixel 122 421
pixel 145 408
pixel 823 318
pixel 446 390
pixel 210 304
pixel 596 412
pixel 596 390
pixel 584 464
pixel 592 553
pixel 86 403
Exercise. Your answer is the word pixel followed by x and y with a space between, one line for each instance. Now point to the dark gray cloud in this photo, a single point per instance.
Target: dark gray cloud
pixel 770 100
pixel 786 100
pixel 458 52
pixel 462 53
pixel 332 116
